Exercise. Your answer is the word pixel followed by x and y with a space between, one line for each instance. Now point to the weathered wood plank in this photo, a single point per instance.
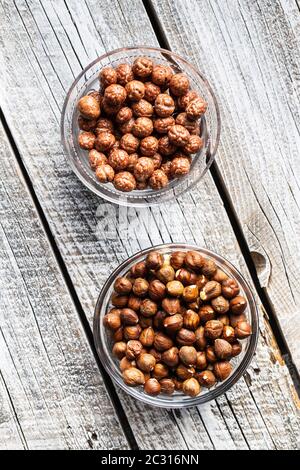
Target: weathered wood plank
pixel 250 52
pixel 51 391
pixel 91 247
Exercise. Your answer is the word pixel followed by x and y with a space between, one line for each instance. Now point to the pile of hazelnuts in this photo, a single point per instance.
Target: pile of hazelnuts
pixel 142 126
pixel 176 320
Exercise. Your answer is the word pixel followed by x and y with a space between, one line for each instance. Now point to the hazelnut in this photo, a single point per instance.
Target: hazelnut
pixel 162 342
pixel 179 84
pixel 129 143
pixel 86 124
pixel 127 126
pixel 154 260
pixel 147 337
pixel 108 76
pixel 184 373
pixel 177 260
pixel 220 305
pixel 209 267
pixel 165 274
pixel 188 355
pixel 104 141
pixel 158 320
pixel 243 330
pixel 152 387
pixel 223 349
pixel 124 181
pixel 183 275
pixel 160 371
pixel 238 305
pixel 119 300
pixel 206 378
pixel 124 74
pixel 196 108
pixel 142 67
pixel 191 320
pixel 133 377
pixel 210 355
pixel 140 287
pixel 190 293
pixel 185 337
pixel 201 281
pixel 191 126
pixel 95 94
pixel 224 319
pixel 156 354
pixel 115 95
pixel 143 168
pixel 134 302
pixel 157 159
pixel 194 260
pixel 167 386
pixel 164 105
pixel 228 334
pixel 201 362
pixel 171 306
pixel 161 75
pixel 124 115
pixel 139 269
pixel 142 127
pixel 145 322
pixel 206 313
pixel 162 125
pixel 185 99
pixel 118 334
pixel 125 364
pixel 234 319
pixel 220 276
pixel 165 147
pixel 149 146
pixel 201 341
pixel 109 109
pixel 211 290
pixel 135 90
pixel 175 288
pixel 230 288
pixel 148 308
pixel 132 332
pixel 166 168
pixel 89 107
pixel 173 323
pixel 132 161
pixel 194 305
pixel 156 290
pixel 142 108
pixel 236 348
pixel 129 317
pixel 178 135
pixel 222 370
pixel 104 125
pixel 191 387
pixel 118 159
pixel 170 357
pixel 213 329
pixel 119 349
pixel 146 362
pixel 151 92
pixel 158 179
pixel 96 159
pixel 86 140
pixel 133 349
pixel 180 166
pixel 122 285
pixel 177 383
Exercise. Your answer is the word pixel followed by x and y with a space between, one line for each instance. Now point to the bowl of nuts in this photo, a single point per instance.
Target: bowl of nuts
pixel 175 325
pixel 140 126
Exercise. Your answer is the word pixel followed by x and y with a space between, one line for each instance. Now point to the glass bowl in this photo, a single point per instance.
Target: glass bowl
pixel 103 341
pixel 88 81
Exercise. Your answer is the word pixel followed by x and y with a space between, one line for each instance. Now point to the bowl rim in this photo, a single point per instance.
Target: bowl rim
pixel 209 155
pixel 223 387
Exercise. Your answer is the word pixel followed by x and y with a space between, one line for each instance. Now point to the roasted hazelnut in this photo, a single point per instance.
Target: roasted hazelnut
pixel 165 274
pixel 243 330
pixel 147 337
pixel 210 355
pixel 87 124
pixel 238 305
pixel 185 99
pixel 89 107
pixel 173 323
pixel 148 308
pixel 171 306
pixel 135 90
pixel 164 105
pixel 196 108
pixel 201 362
pixel 206 378
pixel 191 320
pixel 165 147
pixel 220 276
pixel 170 357
pixel 191 387
pixel 184 373
pixel 161 75
pixel 140 287
pixel 129 143
pixel 183 275
pixel 133 349
pixel 162 125
pixel 236 348
pixel 156 354
pixel 118 335
pixel 122 285
pixel 142 127
pixel 234 319
pixel 154 260
pixel 177 260
pixel 223 349
pixel 222 370
pixel 123 115
pixel 132 332
pixel 127 126
pixel 146 362
pixel 133 377
pixel 179 84
pixel 124 181
pixel 194 260
pixel 211 290
pixel 145 322
pixel 126 364
pixel 178 135
pixel 160 371
pixel 177 383
pixel 162 342
pixel 108 76
pixel 104 125
pixel 228 334
pixel 188 355
pixel 142 108
pixel 191 126
pixel 190 293
pixel 213 329
pixel 129 316
pixel 138 270
pixel 86 140
pixel 151 92
pixel 115 94
pixel 152 387
pixel 119 300
pixel 206 313
pixel 201 341
pixel 158 320
pixel 185 337
pixel 149 146
pixel 112 321
pixel 167 386
pixel 156 290
pixel 220 305
pixel 230 288
pixel 134 302
pixel 194 305
pixel 224 319
pixel 96 159
pixel 201 281
pixel 209 267
pixel 158 179
pixel 124 74
pixel 142 67
pixel 175 288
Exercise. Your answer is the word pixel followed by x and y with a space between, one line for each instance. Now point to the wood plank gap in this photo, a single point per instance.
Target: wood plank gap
pixel 85 324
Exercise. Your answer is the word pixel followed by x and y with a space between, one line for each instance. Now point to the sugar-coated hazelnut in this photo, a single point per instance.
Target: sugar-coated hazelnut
pixel 104 173
pixel 164 105
pixel 143 168
pixel 104 141
pixel 96 95
pixel 152 387
pixel 147 337
pixel 220 305
pixel 129 143
pixel 158 179
pixel 206 378
pixel 222 370
pixel 201 362
pixel 142 127
pixel 151 92
pixel 132 161
pixel 157 160
pixel 213 329
pixel 103 125
pixel 167 386
pixel 108 76
pixel 132 332
pixel 185 337
pixel 139 269
pixel 86 140
pixel 180 166
pixel 124 181
pixel 191 320
pixel 238 305
pixel 123 115
pixel 178 135
pixel 148 308
pixel 126 127
pixel 161 75
pixel 133 349
pixel 184 373
pixel 156 290
pixel 179 84
pixel 211 290
pixel 142 108
pixel 146 362
pixel 89 107
pixel 196 108
pixel 115 94
pixel 223 349
pixel 87 124
pixel 171 305
pixel 108 108
pixel 228 334
pixel 173 323
pixel 129 316
pixel 165 147
pixel 124 74
pixel 185 99
pixel 135 90
pixel 243 330
pixel 188 355
pixel 191 387
pixel 133 377
pixel 149 146
pixel 160 371
pixel 191 126
pixel 96 159
pixel 194 144
pixel 230 288
pixel 140 287
pixel 142 67
pixel 118 159
pixel 166 168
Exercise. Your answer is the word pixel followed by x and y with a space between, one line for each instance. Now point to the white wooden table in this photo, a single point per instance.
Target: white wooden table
pixel 56 250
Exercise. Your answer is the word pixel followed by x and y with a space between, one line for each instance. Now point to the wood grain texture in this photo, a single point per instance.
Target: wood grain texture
pixel 51 391
pixel 250 52
pixel 57 39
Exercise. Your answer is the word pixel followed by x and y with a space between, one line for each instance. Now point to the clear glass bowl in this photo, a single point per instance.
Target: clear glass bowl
pixel 88 81
pixel 103 341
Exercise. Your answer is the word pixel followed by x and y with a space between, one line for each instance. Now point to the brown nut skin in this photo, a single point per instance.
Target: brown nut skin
pixel 165 147
pixel 234 319
pixel 171 306
pixel 127 126
pixel 129 143
pixel 118 159
pixel 185 99
pixel 142 127
pixel 191 387
pixel 238 305
pixel 133 377
pixel 158 320
pixel 178 135
pixel 124 181
pixel 129 316
pixel 149 146
pixel 118 334
pixel 156 290
pixel 142 67
pixel 154 260
pixel 162 342
pixel 173 323
pixel 162 125
pixel 223 349
pixel 179 84
pixel 190 293
pixel 209 267
pixel 124 115
pixel 191 126
pixel 177 260
pixel 89 107
pixel 147 337
pixel 152 387
pixel 184 276
pixel 191 320
pixel 86 140
pixel 220 305
pixel 177 383
pixel 230 288
pixel 158 179
pixel 196 108
pixel 220 276
pixel 138 270
pixel 243 330
pixel 142 108
pixel 86 124
pixel 132 161
pixel 175 288
pixel 151 92
pixel 146 362
pixel 126 364
pixel 188 355
pixel 104 141
pixel 211 290
pixel 213 329
pixel 228 334
pixel 156 354
pixel 148 308
pixel 108 76
pixel 210 355
pixel 206 378
pixel 135 90
pixel 160 371
pixel 112 321
pixel 206 313
pixel 103 125
pixel 140 287
pixel 161 75
pixel 143 169
pixel 124 74
pixel 201 281
pixel 185 337
pixel 236 348
pixel 115 95
pixel 222 370
pixel 201 341
pixel 164 105
pixel 119 300
pixel 184 373
pixel 105 173
pixel 194 260
pixel 201 362
pixel 145 322
pixel 133 349
pixel 224 319
pixel 122 285
pixel 96 159
pixel 132 332
pixel 170 357
pixel 167 386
